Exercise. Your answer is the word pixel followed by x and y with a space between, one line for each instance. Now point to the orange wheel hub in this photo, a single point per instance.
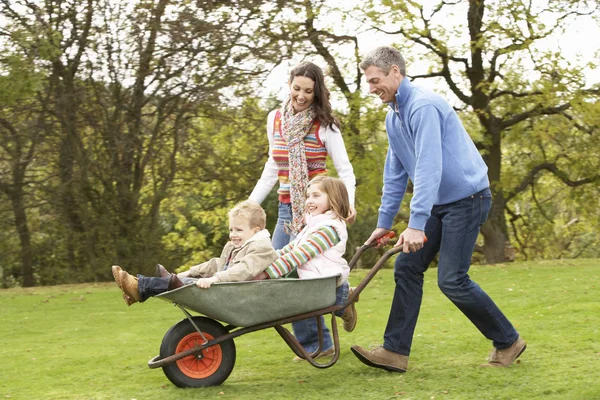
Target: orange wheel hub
pixel 202 365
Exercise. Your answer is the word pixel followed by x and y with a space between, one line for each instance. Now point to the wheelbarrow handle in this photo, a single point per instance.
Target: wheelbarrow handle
pixel 363 248
pixel 371 273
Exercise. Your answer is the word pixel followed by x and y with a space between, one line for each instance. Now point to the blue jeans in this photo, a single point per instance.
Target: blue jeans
pixel 306 331
pixel 452 231
pixel 149 286
pixel 284 216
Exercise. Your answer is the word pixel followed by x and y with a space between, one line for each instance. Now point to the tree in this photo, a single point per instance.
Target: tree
pixel 491 63
pixel 21 133
pixel 124 84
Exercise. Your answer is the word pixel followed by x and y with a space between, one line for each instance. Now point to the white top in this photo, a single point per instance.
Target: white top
pixel 331 137
pixel 331 262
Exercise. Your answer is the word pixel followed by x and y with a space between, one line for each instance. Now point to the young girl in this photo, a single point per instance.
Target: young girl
pixel 318 249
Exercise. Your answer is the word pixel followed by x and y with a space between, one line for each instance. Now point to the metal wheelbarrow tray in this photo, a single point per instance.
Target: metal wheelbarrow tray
pixel 254 302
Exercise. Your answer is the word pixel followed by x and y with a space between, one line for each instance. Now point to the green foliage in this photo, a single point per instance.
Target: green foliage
pixel 220 165
pixel 555 202
pixel 88 332
pixel 121 89
pixel 138 127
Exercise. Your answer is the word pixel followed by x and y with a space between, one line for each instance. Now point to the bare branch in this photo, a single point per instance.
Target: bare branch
pixel 499 93
pixel 430 75
pixel 313 37
pixel 535 111
pixel 553 168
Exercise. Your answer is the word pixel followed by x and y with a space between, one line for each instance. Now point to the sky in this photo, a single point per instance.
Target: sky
pixel 579 44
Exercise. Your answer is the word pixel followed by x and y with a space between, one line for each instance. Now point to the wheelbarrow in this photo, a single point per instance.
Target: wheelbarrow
pixel 199 351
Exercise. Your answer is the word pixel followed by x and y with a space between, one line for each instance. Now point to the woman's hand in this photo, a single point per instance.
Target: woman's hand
pixel 352 217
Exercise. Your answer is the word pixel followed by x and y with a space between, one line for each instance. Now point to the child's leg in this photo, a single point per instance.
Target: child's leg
pixel 186 280
pixel 348 314
pixel 341 295
pixel 307 333
pixel 151 286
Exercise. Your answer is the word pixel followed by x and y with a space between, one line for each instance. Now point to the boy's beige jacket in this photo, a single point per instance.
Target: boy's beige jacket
pixel 247 261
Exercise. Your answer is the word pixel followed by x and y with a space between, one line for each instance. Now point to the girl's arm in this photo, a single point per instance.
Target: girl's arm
pixel 317 243
pixel 286 249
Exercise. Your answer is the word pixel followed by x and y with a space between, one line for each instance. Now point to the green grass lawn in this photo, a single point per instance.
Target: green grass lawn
pixel 83 342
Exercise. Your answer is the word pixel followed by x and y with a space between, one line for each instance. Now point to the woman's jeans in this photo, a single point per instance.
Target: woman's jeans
pixel 451 230
pixel 284 217
pixel 306 331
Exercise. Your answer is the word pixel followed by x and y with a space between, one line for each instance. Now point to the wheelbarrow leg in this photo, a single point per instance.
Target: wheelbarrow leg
pixel 297 348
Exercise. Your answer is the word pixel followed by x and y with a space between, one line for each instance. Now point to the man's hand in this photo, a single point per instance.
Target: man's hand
pixel 379 233
pixel 411 240
pixel 205 283
pixel 352 216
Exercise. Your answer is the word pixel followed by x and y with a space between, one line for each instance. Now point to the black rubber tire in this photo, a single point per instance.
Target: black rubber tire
pixel 215 363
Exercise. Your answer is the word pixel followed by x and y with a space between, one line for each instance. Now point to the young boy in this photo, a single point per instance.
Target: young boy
pixel 246 255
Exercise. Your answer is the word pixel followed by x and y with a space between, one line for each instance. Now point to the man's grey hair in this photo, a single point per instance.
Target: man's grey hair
pixel 383 58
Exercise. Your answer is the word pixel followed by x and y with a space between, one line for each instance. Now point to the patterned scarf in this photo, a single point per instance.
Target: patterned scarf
pixel 294 127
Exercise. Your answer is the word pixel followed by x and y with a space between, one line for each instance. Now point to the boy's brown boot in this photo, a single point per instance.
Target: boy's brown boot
pixel 505 357
pixel 381 358
pixel 115 271
pixel 129 286
pixel 162 271
pixel 174 282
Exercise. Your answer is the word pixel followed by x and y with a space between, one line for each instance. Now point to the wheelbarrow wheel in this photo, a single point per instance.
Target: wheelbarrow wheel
pixel 209 368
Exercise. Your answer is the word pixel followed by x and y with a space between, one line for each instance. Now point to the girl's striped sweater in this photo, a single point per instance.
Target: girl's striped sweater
pixel 291 257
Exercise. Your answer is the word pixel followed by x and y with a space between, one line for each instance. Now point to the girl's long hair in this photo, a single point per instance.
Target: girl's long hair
pixel 337 193
pixel 321 103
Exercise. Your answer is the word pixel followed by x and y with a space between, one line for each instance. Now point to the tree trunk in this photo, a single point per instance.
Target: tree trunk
pixel 494 231
pixel 16 198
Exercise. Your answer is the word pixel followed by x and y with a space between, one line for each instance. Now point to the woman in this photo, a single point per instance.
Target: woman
pixel 302 133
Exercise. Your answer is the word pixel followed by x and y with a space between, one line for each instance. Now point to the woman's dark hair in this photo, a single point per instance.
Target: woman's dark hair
pixel 321 103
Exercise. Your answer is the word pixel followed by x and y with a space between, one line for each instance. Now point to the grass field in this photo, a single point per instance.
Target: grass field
pixel 83 342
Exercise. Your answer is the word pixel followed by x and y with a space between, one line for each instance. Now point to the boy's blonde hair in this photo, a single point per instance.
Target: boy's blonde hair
pixel 252 211
pixel 337 193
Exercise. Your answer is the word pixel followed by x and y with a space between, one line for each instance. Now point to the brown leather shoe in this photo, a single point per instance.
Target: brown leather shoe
pixel 174 282
pixel 381 358
pixel 129 286
pixel 162 271
pixel 115 271
pixel 128 300
pixel 350 317
pixel 505 357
